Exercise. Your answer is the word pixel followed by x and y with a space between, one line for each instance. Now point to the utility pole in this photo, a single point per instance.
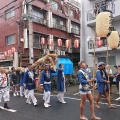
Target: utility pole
pixel 18 23
pixel 30 22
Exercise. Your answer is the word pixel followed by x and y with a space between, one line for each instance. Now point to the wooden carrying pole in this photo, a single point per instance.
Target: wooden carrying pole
pixel 107 62
pixel 94 65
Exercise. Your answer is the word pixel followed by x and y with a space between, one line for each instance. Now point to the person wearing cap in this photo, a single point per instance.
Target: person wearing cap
pixel 29 83
pixel 102 84
pixel 45 82
pixel 61 83
pixel 85 80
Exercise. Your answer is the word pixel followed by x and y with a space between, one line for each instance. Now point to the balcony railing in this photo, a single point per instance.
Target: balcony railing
pixel 101 43
pixel 40 20
pixel 75 31
pixel 37 45
pixel 91 14
pixel 58 26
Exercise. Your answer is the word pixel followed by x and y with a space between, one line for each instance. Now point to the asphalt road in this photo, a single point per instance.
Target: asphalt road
pixel 58 111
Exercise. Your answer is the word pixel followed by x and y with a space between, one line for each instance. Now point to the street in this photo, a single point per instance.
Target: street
pixel 57 111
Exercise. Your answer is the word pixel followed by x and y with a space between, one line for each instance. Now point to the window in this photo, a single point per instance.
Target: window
pixel 70 13
pixel 10 39
pixel 54 5
pixel 37 14
pixel 112 60
pixel 9 13
pixel 36 38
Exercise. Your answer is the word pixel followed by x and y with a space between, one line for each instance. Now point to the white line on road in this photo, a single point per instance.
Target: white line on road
pixel 10 110
pixel 76 93
pixel 71 98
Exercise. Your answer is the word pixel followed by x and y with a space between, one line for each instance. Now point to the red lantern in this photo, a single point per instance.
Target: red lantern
pixel 59 41
pixel 51 42
pixel 43 41
pixel 76 43
pixel 5 54
pixel 67 43
pixel 99 42
pixel 13 50
pixel 9 52
pixel 0 57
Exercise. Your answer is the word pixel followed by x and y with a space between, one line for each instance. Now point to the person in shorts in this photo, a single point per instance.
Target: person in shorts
pixel 84 81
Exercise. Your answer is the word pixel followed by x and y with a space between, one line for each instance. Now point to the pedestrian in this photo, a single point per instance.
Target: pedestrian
pixel 109 73
pixel 45 82
pixel 15 81
pixel 21 82
pixel 4 90
pixel 102 85
pixel 61 83
pixel 29 83
pixel 85 91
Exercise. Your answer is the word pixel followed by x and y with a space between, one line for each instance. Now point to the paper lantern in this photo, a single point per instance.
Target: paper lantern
pixel 103 23
pixel 51 42
pixel 5 54
pixel 0 57
pixel 99 42
pixel 43 41
pixel 9 52
pixel 13 50
pixel 113 40
pixel 76 43
pixel 59 41
pixel 67 43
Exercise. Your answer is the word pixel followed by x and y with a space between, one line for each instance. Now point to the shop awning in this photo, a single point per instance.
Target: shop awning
pixel 68 65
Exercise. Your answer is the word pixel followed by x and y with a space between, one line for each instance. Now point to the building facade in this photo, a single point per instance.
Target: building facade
pixel 33 28
pixel 89 9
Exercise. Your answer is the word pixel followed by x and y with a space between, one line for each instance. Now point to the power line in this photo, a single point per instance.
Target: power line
pixel 8 4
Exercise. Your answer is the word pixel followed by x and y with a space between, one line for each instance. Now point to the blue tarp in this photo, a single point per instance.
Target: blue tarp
pixel 68 65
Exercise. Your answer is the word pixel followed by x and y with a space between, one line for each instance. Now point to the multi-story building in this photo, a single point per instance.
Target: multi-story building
pixel 26 24
pixel 88 22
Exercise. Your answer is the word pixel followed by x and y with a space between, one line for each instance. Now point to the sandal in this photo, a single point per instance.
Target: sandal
pixel 97 106
pixel 96 118
pixel 112 107
pixel 83 118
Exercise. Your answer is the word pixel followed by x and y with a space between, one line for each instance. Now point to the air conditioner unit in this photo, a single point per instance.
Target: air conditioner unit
pixel 46 51
pixel 45 22
pixel 58 52
pixel 62 52
pixel 59 10
pixel 51 48
pixel 69 50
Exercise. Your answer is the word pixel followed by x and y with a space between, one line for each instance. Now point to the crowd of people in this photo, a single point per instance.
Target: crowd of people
pixel 103 79
pixel 23 84
pixel 27 85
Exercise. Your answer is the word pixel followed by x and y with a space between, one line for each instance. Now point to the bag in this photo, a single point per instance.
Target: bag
pixel 87 87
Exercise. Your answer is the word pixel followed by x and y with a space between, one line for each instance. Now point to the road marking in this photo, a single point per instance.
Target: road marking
pixel 10 110
pixel 71 98
pixel 76 93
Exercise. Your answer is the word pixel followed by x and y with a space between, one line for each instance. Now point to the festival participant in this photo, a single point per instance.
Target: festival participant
pixel 102 85
pixel 61 83
pixel 45 82
pixel 85 91
pixel 29 83
pixel 109 73
pixel 21 81
pixel 15 81
pixel 4 90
